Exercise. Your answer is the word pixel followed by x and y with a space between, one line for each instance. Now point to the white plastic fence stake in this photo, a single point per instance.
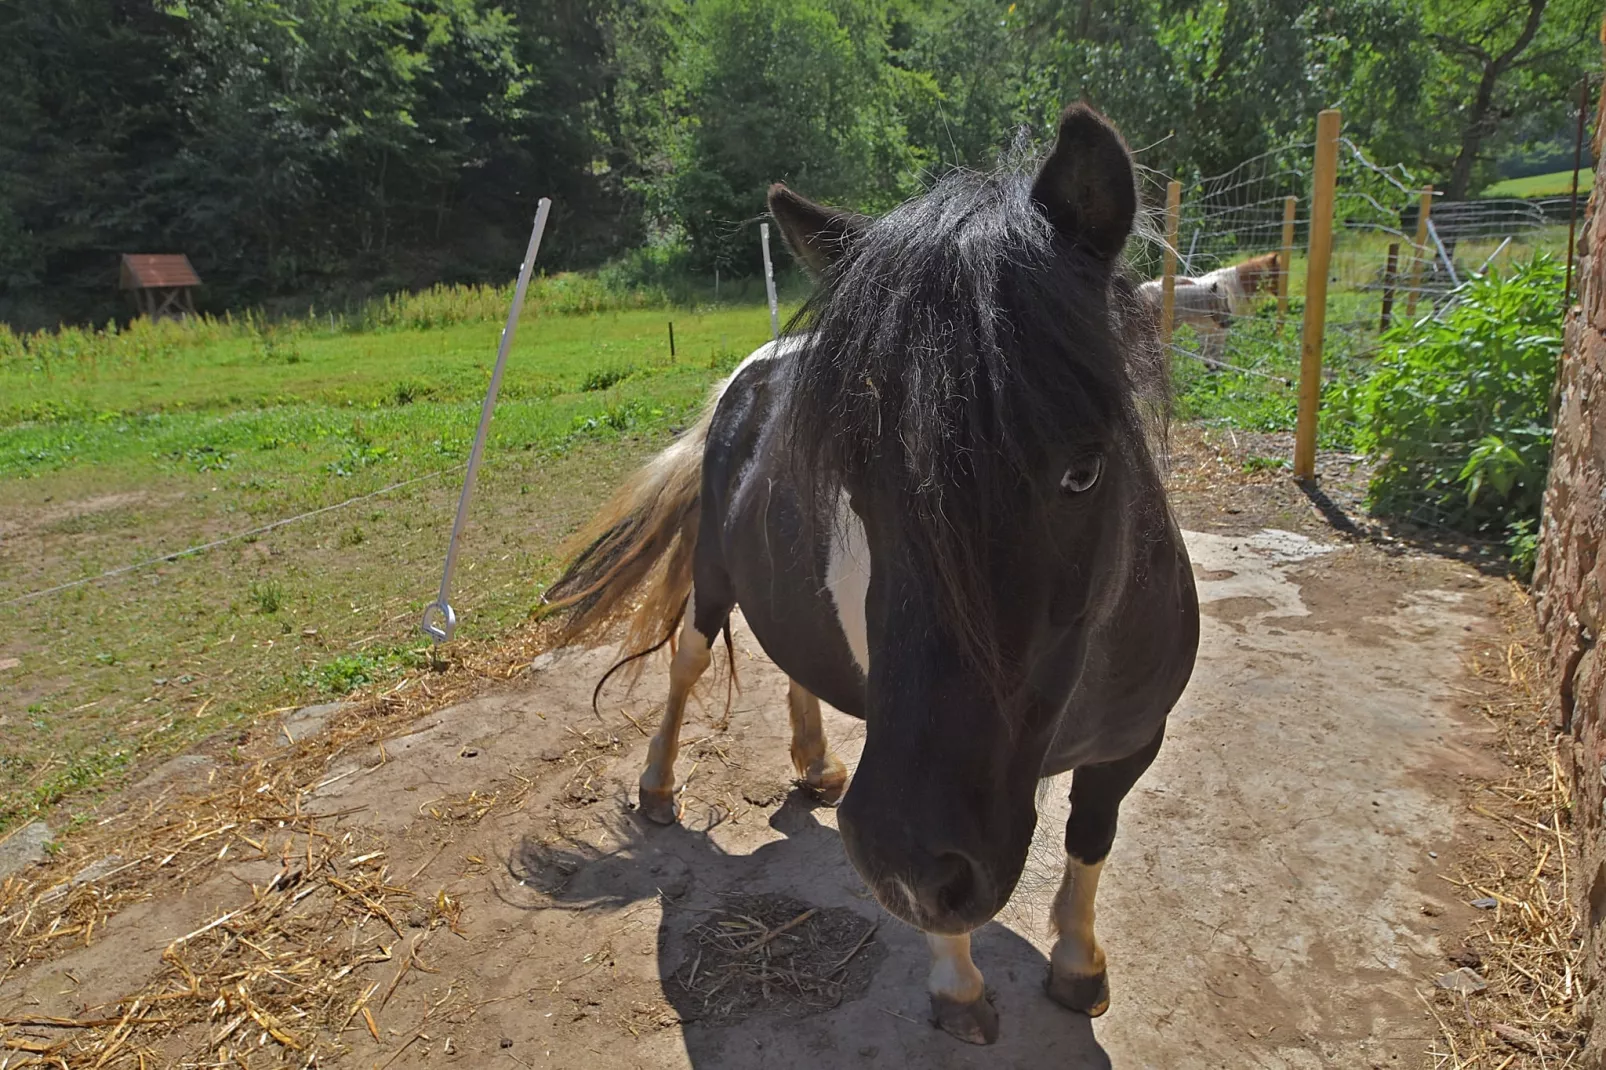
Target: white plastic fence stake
pixel 769 282
pixel 1433 232
pixel 1498 250
pixel 441 631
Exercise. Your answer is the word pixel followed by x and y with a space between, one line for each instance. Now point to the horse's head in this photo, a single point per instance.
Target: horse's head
pixel 968 397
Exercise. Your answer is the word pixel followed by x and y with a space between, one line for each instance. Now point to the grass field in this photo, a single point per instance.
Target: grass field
pixel 117 450
pixel 1555 184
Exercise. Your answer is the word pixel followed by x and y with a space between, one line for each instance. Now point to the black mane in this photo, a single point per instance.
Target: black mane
pixel 958 343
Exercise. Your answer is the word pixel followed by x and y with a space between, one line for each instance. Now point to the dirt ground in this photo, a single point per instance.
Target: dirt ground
pixel 1277 895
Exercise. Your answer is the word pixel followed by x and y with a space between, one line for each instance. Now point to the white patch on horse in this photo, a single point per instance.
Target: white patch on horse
pixel 847 577
pixel 953 974
pixel 767 351
pixel 1077 953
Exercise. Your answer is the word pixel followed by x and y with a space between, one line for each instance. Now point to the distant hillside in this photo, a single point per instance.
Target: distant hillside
pixel 1554 184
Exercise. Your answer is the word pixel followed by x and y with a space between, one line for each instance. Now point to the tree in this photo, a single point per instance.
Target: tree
pixel 304 148
pixel 1503 58
pixel 89 123
pixel 780 90
pixel 327 134
pixel 1460 83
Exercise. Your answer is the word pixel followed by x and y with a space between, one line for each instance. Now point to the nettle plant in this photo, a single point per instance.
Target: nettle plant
pixel 1457 409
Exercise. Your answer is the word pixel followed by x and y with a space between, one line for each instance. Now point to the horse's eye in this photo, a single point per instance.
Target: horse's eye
pixel 1082 474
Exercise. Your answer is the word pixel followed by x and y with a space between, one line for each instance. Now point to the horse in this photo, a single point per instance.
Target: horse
pixel 1208 302
pixel 937 501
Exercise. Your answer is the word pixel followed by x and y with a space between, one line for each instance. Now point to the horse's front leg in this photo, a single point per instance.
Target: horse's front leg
pixel 959 1003
pixel 1076 969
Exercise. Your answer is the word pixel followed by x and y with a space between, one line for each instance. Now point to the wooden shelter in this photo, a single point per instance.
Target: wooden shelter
pixel 161 283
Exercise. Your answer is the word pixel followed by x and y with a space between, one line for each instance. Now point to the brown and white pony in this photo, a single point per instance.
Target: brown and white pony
pixel 1208 302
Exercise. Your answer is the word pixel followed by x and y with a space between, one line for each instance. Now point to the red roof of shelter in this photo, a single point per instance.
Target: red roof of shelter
pixel 146 271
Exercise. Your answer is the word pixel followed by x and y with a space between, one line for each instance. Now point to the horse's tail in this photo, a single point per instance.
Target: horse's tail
pixel 634 559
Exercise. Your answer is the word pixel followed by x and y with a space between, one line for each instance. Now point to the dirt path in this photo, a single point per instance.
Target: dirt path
pixel 1272 900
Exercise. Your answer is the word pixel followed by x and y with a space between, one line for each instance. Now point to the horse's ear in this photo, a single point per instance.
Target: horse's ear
pixel 1086 187
pixel 817 235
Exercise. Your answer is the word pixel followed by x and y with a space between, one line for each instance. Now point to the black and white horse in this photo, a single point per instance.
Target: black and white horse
pixel 938 507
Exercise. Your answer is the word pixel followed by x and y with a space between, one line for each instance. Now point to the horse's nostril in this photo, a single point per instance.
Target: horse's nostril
pixel 954 889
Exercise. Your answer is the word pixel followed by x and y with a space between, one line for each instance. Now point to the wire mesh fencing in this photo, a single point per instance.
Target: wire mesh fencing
pixel 1400 254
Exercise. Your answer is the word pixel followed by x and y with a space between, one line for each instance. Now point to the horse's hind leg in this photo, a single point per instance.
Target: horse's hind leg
pixel 1076 972
pixel 659 799
pixel 820 770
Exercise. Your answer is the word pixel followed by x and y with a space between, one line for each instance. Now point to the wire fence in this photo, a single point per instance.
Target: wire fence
pixel 1237 339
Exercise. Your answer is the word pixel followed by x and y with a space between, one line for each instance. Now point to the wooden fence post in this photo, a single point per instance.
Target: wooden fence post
pixel 1168 279
pixel 1285 260
pixel 1416 251
pixel 1321 250
pixel 1388 286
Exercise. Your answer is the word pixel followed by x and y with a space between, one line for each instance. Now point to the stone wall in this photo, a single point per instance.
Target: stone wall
pixel 1570 582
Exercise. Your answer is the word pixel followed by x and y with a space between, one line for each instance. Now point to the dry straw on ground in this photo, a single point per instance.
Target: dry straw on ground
pixel 773 953
pixel 281 979
pixel 1527 946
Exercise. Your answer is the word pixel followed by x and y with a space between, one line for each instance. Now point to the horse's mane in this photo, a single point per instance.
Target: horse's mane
pixel 958 344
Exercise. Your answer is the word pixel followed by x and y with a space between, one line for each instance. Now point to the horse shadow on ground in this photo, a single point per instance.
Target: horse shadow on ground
pixel 870 1012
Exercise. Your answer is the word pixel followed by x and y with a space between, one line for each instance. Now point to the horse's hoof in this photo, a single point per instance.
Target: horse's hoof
pixel 660 807
pixel 974 1023
pixel 1090 995
pixel 828 784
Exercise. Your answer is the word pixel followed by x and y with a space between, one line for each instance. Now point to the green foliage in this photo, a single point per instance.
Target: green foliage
pixel 780 90
pixel 292 146
pixel 327 151
pixel 345 673
pixel 1266 464
pixel 1460 82
pixel 1522 546
pixel 603 378
pixel 268 596
pixel 1457 410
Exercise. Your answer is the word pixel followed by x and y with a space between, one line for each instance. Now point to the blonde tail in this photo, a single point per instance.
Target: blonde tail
pixel 634 559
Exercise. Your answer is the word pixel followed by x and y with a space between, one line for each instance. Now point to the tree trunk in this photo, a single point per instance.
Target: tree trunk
pixel 1479 119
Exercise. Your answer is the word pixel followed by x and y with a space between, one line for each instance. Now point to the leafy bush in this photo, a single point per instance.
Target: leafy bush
pixel 1457 410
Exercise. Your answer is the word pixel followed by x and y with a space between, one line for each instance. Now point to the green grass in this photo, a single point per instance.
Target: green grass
pixel 1555 184
pixel 118 448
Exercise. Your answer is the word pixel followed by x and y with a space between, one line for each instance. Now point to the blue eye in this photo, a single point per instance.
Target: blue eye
pixel 1083 473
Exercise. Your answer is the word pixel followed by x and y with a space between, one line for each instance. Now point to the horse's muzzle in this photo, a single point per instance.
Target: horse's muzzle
pixel 945 892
